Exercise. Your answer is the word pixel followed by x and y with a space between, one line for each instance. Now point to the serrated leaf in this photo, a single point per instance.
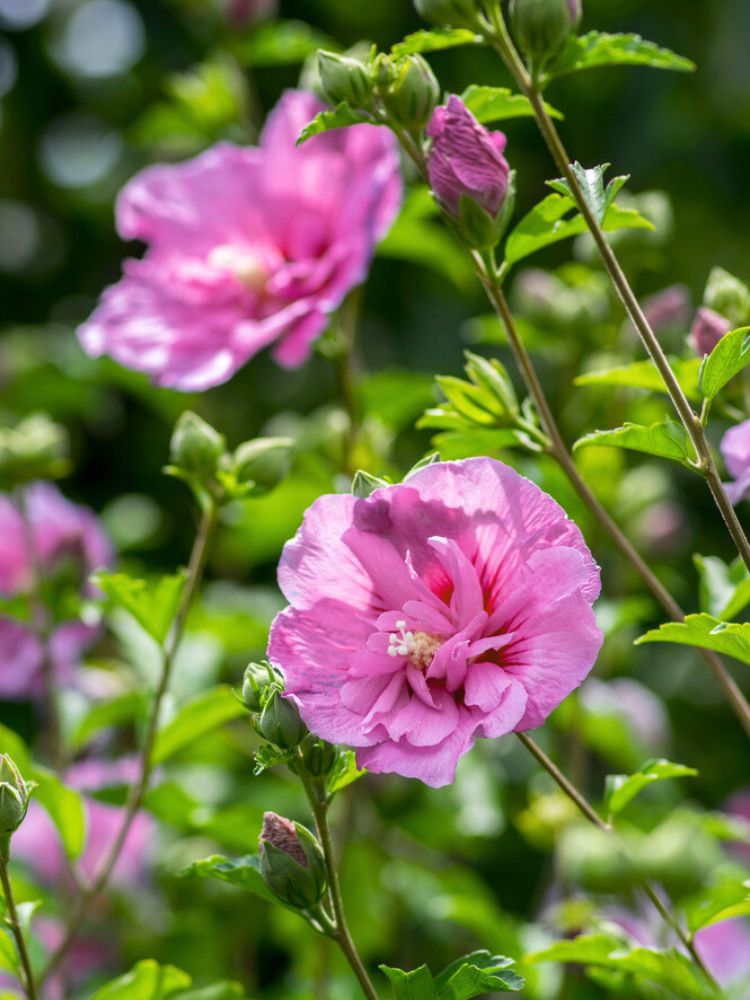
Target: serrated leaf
pixel 596 49
pixel 591 184
pixel 345 772
pixel 724 588
pixel 727 359
pixel 283 43
pixel 645 375
pixel 478 973
pixel 497 104
pixel 198 716
pixel 724 900
pixel 244 873
pixel 267 756
pixel 623 788
pixel 153 604
pixel 342 116
pixel 666 439
pixel 548 223
pixel 435 40
pixel 706 632
pixel 415 985
pixel 146 981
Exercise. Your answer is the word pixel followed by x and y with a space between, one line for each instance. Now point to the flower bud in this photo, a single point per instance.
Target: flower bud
pixel 363 484
pixel 413 94
pixel 707 330
pixel 260 680
pixel 263 463
pixel 455 13
pixel 14 800
pixel 468 173
pixel 319 756
pixel 36 448
pixel 280 722
pixel 291 862
pixel 541 26
pixel 196 448
pixel 344 79
pixel 728 296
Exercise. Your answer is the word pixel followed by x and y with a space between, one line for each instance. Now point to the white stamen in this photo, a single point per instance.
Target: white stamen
pixel 420 647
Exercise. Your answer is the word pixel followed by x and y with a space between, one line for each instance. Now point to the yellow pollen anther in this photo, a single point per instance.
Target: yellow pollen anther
pixel 419 647
pixel 245 266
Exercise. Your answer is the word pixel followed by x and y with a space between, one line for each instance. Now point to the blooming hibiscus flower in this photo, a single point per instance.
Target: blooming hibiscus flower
pixel 247 247
pixel 455 605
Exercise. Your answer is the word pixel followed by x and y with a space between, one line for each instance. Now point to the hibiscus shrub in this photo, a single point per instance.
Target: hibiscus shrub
pixel 373 595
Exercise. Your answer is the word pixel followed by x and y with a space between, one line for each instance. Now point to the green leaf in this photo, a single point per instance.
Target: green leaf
pixel 707 632
pixel 727 359
pixel 597 49
pixel 591 184
pixel 623 788
pixel 9 960
pixel 146 981
pixel 469 443
pixel 396 396
pixel 342 116
pixel 645 375
pixel 244 873
pixel 65 809
pixel 125 708
pixel 725 899
pixel 345 772
pixel 153 604
pixel 476 974
pixel 724 588
pixel 668 969
pixel 284 43
pixel 200 715
pixel 267 756
pixel 497 104
pixel 225 990
pixel 546 224
pixel 435 40
pixel 667 439
pixel 415 985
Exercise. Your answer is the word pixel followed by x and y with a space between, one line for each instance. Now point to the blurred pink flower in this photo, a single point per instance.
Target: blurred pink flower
pixel 455 605
pixel 62 538
pixel 466 158
pixel 247 247
pixel 668 308
pixel 642 711
pixel 735 450
pixel 37 841
pixel 707 330
pixel 243 12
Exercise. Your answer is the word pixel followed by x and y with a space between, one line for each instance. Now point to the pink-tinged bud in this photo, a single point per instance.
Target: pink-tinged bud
pixel 708 329
pixel 241 13
pixel 668 309
pixel 282 834
pixel 466 159
pixel 576 10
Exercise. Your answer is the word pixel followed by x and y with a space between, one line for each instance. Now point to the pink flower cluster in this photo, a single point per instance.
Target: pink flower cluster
pixel 455 605
pixel 59 536
pixel 735 450
pixel 247 247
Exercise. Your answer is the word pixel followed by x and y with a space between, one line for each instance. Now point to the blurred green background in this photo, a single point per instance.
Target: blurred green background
pixel 87 97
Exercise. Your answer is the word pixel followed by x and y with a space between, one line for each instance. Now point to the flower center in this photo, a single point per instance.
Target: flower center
pixel 419 647
pixel 246 266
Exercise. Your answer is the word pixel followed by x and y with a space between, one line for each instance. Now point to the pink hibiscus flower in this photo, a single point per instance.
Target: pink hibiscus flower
pixel 63 538
pixel 735 450
pixel 247 247
pixel 455 605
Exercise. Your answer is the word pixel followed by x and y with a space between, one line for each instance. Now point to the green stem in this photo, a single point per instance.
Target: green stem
pixel 502 43
pixel 593 817
pixel 340 933
pixel 343 364
pixel 138 792
pixel 15 927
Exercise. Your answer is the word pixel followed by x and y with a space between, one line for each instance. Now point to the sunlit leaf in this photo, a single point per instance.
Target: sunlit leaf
pixel 666 439
pixel 153 603
pixel 596 49
pixel 202 714
pixel 645 375
pixel 435 40
pixel 623 788
pixel 345 772
pixel 727 359
pixel 342 116
pixel 497 104
pixel 146 981
pixel 414 985
pixel 724 588
pixel 244 873
pixel 725 899
pixel 707 632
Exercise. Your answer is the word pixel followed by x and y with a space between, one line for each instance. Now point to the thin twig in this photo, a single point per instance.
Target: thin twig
pixel 15 927
pixel 139 790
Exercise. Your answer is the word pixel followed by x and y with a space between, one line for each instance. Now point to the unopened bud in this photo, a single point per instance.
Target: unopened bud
pixel 728 296
pixel 196 448
pixel 14 800
pixel 344 79
pixel 260 680
pixel 413 94
pixel 263 463
pixel 319 756
pixel 291 862
pixel 452 13
pixel 491 376
pixel 363 484
pixel 280 722
pixel 36 448
pixel 707 330
pixel 541 26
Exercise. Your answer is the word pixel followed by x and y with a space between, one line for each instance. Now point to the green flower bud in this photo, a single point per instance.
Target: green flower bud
pixel 36 448
pixel 455 13
pixel 260 680
pixel 319 756
pixel 280 722
pixel 541 26
pixel 196 448
pixel 364 484
pixel 383 71
pixel 291 862
pixel 414 93
pixel 14 800
pixel 344 79
pixel 263 463
pixel 728 296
